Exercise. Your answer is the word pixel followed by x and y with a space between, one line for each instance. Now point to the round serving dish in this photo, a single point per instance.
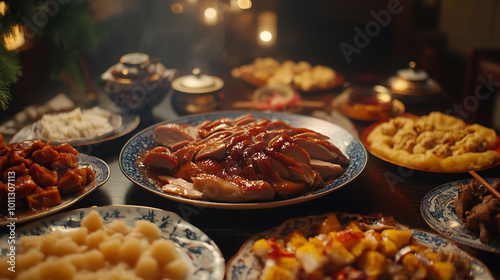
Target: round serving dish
pixel 413 82
pixel 196 93
pixel 368 103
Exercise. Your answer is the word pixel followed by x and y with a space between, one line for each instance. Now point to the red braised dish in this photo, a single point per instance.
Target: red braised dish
pixel 241 159
pixel 34 175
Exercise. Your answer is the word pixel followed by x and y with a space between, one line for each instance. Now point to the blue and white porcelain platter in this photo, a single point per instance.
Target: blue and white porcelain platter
pixel 437 210
pixel 101 170
pixel 347 143
pixel 244 265
pixel 203 256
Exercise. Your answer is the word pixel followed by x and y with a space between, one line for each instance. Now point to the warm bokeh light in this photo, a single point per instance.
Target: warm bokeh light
pixel 15 40
pixel 210 15
pixel 244 4
pixel 177 8
pixel 3 8
pixel 266 36
pixel 267 28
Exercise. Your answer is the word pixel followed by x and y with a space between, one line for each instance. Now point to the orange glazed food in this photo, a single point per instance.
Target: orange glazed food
pixel 241 159
pixel 35 174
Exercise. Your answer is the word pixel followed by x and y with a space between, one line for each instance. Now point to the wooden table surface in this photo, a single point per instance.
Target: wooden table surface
pixel 381 188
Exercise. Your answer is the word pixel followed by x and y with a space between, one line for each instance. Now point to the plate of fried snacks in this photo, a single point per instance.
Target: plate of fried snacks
pixel 301 75
pixel 245 160
pixel 466 212
pixel 436 142
pixel 39 179
pixel 112 242
pixel 351 246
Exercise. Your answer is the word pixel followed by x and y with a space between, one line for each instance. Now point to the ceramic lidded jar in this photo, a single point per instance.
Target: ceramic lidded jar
pixel 137 82
pixel 196 93
pixel 413 82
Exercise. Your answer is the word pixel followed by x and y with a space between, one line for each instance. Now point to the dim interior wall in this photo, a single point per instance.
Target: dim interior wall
pixel 470 24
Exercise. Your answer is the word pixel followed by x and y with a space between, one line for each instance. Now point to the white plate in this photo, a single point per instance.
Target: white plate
pixel 202 254
pixel 101 170
pixel 124 125
pixel 347 143
pixel 246 266
pixel 437 210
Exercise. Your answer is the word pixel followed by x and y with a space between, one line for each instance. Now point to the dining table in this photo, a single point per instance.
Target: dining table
pixel 381 188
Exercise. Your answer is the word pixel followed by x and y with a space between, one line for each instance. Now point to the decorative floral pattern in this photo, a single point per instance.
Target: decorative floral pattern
pixel 246 266
pixel 437 210
pixel 199 251
pixel 347 143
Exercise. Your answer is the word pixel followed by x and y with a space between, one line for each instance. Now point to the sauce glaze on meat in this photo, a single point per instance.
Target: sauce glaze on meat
pixel 479 210
pixel 35 174
pixel 241 159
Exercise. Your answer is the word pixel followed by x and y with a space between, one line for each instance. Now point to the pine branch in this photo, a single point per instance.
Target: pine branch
pixel 10 71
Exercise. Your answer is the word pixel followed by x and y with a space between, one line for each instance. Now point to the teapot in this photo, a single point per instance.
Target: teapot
pixel 137 82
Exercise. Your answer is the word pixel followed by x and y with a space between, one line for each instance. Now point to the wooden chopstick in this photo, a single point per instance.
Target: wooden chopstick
pixel 486 184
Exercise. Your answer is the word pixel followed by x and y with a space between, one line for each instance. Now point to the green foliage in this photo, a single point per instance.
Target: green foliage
pixel 67 25
pixel 10 71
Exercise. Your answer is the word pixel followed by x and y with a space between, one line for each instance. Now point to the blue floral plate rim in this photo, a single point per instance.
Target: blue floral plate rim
pixel 346 142
pixel 204 256
pixel 244 265
pixel 102 174
pixel 437 210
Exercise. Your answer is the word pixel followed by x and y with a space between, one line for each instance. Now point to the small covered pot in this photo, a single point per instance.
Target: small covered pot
pixel 196 93
pixel 137 82
pixel 413 82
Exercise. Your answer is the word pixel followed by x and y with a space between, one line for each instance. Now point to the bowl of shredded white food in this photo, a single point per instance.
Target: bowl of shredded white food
pixel 77 126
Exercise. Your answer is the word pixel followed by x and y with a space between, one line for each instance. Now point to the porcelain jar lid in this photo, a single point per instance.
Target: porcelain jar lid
pixel 197 83
pixel 134 68
pixel 413 81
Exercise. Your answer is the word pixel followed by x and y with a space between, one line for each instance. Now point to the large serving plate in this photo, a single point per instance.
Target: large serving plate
pixel 122 125
pixel 244 265
pixel 195 247
pixel 369 129
pixel 347 143
pixel 101 170
pixel 437 210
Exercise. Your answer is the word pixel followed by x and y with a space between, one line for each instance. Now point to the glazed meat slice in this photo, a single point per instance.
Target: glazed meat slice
pixel 66 148
pixel 179 186
pixel 24 185
pixel 161 157
pixel 479 210
pixel 64 162
pixel 467 197
pixel 71 182
pixel 327 169
pixel 87 174
pixel 43 176
pixel 236 190
pixel 214 150
pixel 18 171
pixel 46 197
pixel 21 152
pixel 45 156
pixel 481 219
pixel 170 134
pixel 321 149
